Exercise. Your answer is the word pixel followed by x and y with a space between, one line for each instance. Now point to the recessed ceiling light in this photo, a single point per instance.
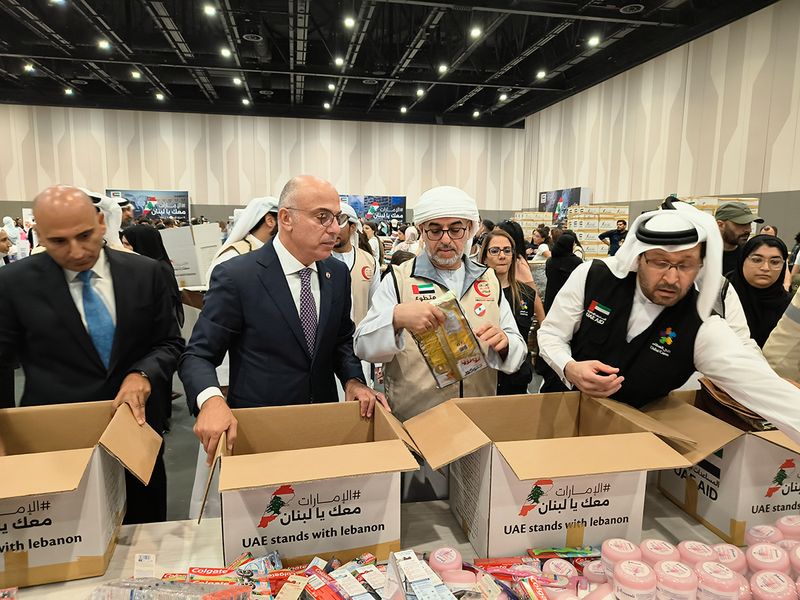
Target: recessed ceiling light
pixel 339 61
pixel 541 75
pixel 349 22
pixel 136 75
pixel 369 81
pixel 209 10
pixel 420 92
pixel 237 81
pixel 327 106
pixel 403 109
pixel 103 44
pixel 68 91
pixel 593 41
pixel 442 68
pixel 475 33
pixel 159 96
pixel 331 87
pixel 58 2
pixel 476 114
pixel 245 101
pixel 253 37
pixel 267 93
pixel 29 68
pixel 503 97
pixel 226 52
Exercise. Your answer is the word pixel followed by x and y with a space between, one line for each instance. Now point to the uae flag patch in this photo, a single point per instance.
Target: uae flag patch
pixel 425 288
pixel 480 309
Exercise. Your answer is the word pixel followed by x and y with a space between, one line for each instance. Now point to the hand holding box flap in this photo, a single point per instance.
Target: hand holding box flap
pixel 42 473
pixel 313 464
pixel 590 455
pixel 135 446
pixel 444 434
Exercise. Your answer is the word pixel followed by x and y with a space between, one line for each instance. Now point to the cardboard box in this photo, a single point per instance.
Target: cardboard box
pixel 541 470
pixel 313 480
pixel 62 496
pixel 738 479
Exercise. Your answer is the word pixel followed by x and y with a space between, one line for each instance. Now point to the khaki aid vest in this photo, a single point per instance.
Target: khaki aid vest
pixel 361 276
pixel 242 246
pixel 410 386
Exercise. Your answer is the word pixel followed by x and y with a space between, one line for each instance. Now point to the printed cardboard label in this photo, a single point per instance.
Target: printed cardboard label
pixel 313 518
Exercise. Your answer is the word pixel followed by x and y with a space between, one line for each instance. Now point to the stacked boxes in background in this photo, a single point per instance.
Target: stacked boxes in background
pixel 530 220
pixel 588 222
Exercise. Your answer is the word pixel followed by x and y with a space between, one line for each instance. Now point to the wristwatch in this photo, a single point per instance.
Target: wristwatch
pixel 143 374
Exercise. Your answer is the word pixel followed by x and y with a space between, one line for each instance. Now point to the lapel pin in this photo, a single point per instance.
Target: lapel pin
pixel 328 274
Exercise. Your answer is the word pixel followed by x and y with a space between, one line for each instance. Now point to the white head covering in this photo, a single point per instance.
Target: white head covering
pixel 11 229
pixel 112 214
pixel 448 202
pixel 412 234
pixel 684 217
pixel 247 219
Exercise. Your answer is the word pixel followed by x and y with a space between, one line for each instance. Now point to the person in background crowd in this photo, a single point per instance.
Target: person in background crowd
pixel 126 206
pixel 560 266
pixel 769 230
pixel 410 243
pixel 613 238
pixel 541 237
pixel 577 249
pixel 758 281
pixel 13 236
pixel 5 247
pixel 112 218
pixel 371 231
pixel 399 257
pixel 169 223
pixel 116 335
pixel 734 220
pixel 18 223
pixel 782 349
pixel 498 254
pixel 400 236
pixel 523 270
pixel 637 325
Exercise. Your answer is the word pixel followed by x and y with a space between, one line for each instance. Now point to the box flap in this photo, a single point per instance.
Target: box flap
pixel 222 450
pixel 43 472
pixel 589 455
pixel 313 464
pixel 384 418
pixel 444 434
pixel 779 438
pixel 135 446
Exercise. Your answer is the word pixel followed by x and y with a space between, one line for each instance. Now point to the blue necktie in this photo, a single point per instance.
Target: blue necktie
pixel 308 310
pixel 98 319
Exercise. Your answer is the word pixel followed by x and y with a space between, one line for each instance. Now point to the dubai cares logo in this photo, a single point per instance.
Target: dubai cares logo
pixel 540 488
pixel 280 498
pixel 667 337
pixel 784 471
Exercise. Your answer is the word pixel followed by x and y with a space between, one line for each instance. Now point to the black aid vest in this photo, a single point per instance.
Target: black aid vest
pixel 658 360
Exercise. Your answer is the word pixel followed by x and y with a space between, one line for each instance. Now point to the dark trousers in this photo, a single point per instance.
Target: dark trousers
pixel 147 504
pixel 6 387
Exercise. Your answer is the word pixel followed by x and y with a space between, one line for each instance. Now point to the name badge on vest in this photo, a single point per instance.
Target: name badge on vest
pixel 666 339
pixel 597 312
pixel 423 291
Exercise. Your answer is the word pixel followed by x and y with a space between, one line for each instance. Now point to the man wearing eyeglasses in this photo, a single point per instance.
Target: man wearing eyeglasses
pixel 283 314
pixel 636 326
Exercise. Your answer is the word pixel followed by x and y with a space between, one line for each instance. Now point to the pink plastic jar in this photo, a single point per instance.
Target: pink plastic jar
pixel 767 557
pixel 744 588
pixel 772 585
pixel 604 591
pixel 559 566
pixel 654 551
pixel 616 550
pixel 459 577
pixel 789 526
pixel 675 581
pixel 762 533
pixel 595 572
pixel 693 552
pixel 445 559
pixel 732 557
pixel 634 580
pixel 787 544
pixel 554 593
pixel 716 582
pixel 794 559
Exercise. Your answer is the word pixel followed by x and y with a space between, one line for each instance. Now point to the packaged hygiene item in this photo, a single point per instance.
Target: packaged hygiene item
pixel 654 551
pixel 716 582
pixel 767 557
pixel 732 557
pixel 693 552
pixel 634 580
pixel 675 581
pixel 762 533
pixel 772 585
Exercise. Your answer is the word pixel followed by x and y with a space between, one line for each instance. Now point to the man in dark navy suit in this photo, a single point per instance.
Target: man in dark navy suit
pixel 283 314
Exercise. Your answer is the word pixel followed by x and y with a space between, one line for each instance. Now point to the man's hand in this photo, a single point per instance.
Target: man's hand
pixel 134 391
pixel 215 417
pixel 355 391
pixel 593 377
pixel 495 337
pixel 417 317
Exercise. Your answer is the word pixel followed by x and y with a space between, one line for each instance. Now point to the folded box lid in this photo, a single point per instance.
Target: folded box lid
pixel 780 439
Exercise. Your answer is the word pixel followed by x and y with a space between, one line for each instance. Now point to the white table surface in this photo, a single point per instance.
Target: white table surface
pixel 425 526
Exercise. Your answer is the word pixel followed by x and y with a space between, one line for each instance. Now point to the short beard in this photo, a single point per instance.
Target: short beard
pixel 442 262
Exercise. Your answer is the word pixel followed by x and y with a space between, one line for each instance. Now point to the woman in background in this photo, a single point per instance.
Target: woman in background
pixel 560 266
pixel 522 269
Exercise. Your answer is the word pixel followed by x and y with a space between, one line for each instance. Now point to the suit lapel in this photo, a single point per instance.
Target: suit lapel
pixel 325 299
pixel 124 293
pixel 274 282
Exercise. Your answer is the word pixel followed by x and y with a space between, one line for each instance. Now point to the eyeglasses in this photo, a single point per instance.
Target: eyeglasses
pixel 455 233
pixel 662 266
pixel 775 262
pixel 324 216
pixel 495 251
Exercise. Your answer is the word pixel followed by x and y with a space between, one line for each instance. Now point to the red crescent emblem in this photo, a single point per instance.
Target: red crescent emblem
pixel 366 273
pixel 482 288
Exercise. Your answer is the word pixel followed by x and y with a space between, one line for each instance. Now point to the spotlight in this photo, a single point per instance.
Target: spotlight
pixel 420 92
pixel 237 81
pixel 541 75
pixel 339 61
pixel 475 33
pixel 476 113
pixel 68 91
pixel 349 22
pixel 29 68
pixel 103 44
pixel 442 68
pixel 136 75
pixel 593 41
pixel 327 106
pixel 403 109
pixel 503 97
pixel 245 101
pixel 226 52
pixel 331 87
pixel 209 10
pixel 159 96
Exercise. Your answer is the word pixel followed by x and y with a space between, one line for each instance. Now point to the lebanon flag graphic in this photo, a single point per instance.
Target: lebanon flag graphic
pixel 150 205
pixel 480 309
pixel 373 209
pixel 785 470
pixel 595 306
pixel 280 498
pixel 540 488
pixel 425 288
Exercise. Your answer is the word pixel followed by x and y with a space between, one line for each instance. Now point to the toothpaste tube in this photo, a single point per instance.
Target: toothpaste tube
pixel 371 578
pixel 352 588
pixel 486 563
pixel 364 559
pixel 321 586
pixel 565 552
pixel 240 560
pixel 173 577
pixel 293 588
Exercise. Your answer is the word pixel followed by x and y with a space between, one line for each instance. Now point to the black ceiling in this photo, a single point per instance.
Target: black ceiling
pixel 284 53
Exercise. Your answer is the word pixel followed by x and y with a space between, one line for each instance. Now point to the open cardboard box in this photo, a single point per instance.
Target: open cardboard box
pixel 739 479
pixel 313 480
pixel 544 470
pixel 62 497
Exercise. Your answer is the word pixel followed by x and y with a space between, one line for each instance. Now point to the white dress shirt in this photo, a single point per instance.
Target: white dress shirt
pixel 102 284
pixel 719 354
pixel 291 269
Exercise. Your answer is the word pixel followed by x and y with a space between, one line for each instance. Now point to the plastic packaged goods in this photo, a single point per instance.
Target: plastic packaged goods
pixel 510 561
pixel 762 533
pixel 445 559
pixel 675 581
pixel 789 526
pixel 744 588
pixel 616 550
pixel 767 557
pixel 568 552
pixel 693 552
pixel 716 582
pixel 732 557
pixel 156 589
pixel 559 566
pixel 654 551
pixel 772 585
pixel 595 572
pixel 634 580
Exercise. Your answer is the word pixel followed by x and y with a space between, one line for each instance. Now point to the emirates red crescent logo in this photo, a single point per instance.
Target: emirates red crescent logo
pixel 366 273
pixel 482 288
